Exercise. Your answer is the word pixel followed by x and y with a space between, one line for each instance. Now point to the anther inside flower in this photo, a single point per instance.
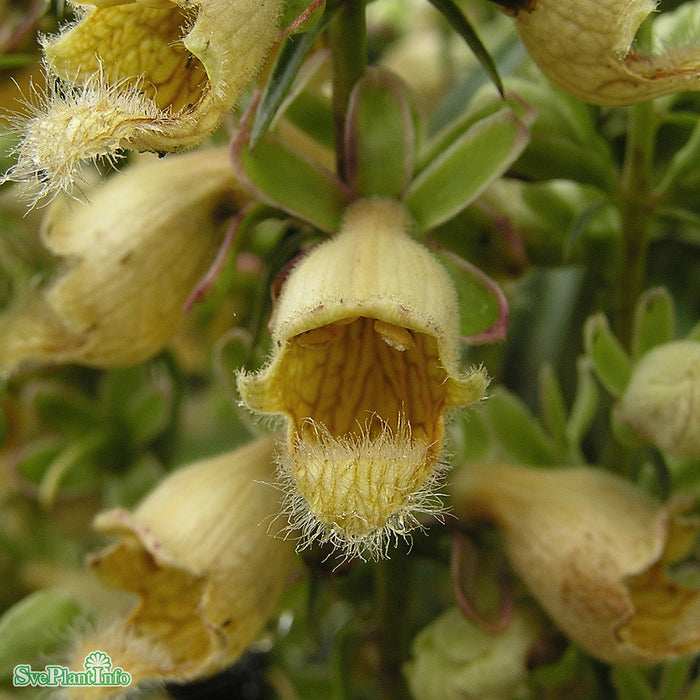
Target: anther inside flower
pixel 366 334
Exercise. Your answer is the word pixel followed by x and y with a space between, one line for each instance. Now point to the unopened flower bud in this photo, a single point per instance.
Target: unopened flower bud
pixel 662 400
pixel 453 659
pixel 128 262
pixel 198 553
pixel 585 47
pixel 593 550
pixel 365 365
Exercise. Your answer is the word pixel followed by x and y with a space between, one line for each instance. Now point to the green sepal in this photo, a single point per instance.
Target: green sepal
pixel 611 363
pixel 289 180
pixel 482 303
pixel 654 321
pixel 457 176
pixel 518 431
pixel 483 105
pixel 380 136
pixel 35 626
pixel 301 16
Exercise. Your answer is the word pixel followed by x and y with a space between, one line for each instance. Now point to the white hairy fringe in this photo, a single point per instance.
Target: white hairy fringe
pixel 384 450
pixel 65 124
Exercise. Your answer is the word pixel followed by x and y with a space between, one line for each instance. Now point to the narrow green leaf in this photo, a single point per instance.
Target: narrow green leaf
pixel 289 60
pixel 289 180
pixel 585 403
pixel 459 175
pixel 554 412
pixel 518 431
pixel 611 363
pixel 674 676
pixel 380 136
pixel 66 411
pixel 631 684
pixel 654 321
pixel 451 11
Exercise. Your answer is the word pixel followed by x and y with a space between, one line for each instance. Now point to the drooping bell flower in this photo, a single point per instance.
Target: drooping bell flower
pixel 364 368
pixel 594 551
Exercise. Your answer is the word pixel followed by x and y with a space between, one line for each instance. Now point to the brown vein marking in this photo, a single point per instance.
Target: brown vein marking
pixel 348 377
pixel 141 45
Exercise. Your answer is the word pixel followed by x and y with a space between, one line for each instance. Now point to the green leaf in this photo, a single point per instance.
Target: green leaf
pixel 289 60
pixel 518 431
pixel 554 410
pixel 459 22
pixel 565 142
pixel 286 178
pixel 654 321
pixel 147 415
pixel 36 626
pixel 482 303
pixel 65 410
pixel 460 173
pixel 380 136
pixel 611 363
pixel 674 676
pixel 631 684
pixel 585 404
pixel 78 459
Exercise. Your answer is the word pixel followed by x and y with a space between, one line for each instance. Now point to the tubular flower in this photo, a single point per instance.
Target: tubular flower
pixel 585 47
pixel 662 401
pixel 365 364
pixel 593 550
pixel 147 75
pixel 198 554
pixel 122 279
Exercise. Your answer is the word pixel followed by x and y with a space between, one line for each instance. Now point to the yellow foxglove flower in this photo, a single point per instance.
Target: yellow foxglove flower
pixel 662 400
pixel 593 550
pixel 127 263
pixel 585 47
pixel 146 75
pixel 365 364
pixel 207 572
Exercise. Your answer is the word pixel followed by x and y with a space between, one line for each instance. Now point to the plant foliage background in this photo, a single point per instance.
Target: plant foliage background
pixel 592 232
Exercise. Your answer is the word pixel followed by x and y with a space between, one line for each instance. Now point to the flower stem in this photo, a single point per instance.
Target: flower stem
pixel 637 205
pixel 392 594
pixel 347 37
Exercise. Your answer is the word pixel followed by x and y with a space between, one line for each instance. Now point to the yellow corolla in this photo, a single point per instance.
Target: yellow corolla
pixel 365 365
pixel 585 47
pixel 594 551
pixel 146 75
pixel 207 572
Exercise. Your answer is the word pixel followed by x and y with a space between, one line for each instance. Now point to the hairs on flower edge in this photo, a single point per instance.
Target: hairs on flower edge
pixel 378 454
